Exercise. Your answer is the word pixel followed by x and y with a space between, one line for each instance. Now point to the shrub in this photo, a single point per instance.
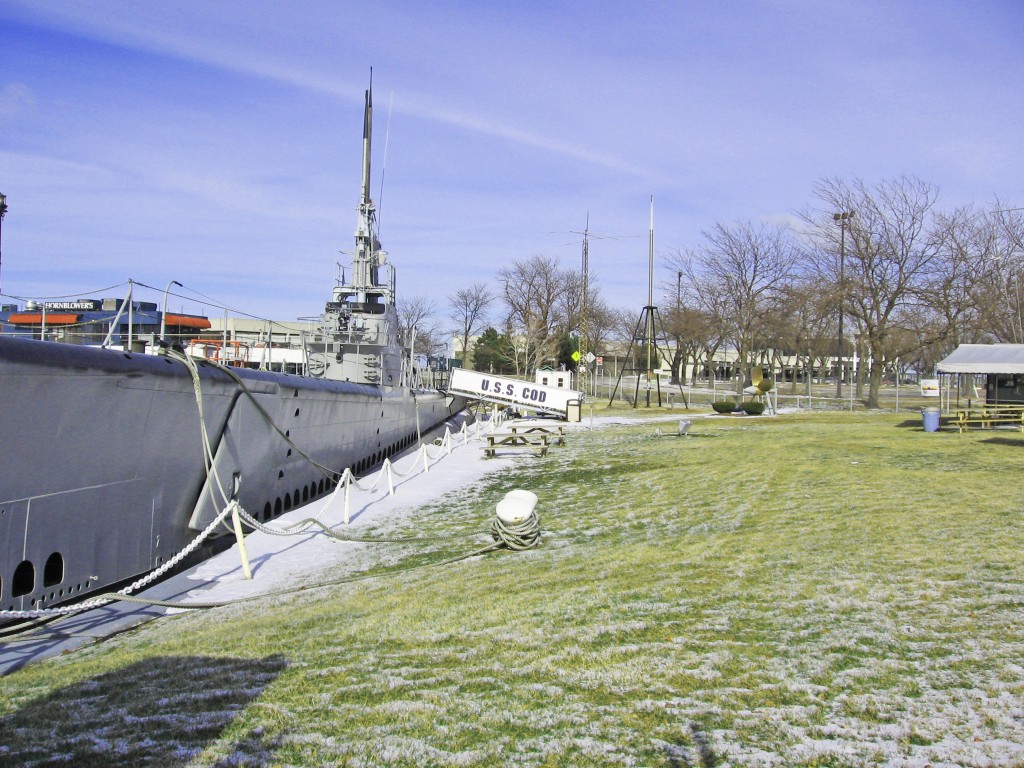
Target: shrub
pixel 753 408
pixel 723 406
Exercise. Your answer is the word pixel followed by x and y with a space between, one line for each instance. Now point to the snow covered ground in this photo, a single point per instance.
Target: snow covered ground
pixel 280 561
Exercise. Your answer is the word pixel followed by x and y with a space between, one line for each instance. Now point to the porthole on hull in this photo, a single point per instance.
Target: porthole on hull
pixel 53 571
pixel 24 580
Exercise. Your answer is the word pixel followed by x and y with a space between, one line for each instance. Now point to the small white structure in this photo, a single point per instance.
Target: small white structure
pixel 549 378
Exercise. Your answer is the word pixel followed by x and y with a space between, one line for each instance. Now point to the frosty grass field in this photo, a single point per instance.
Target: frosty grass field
pixel 815 589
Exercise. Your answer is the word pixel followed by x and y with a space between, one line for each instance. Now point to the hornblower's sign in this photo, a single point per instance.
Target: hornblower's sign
pixel 81 305
pixel 499 389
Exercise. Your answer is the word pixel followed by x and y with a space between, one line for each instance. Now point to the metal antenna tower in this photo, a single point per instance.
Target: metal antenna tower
pixel 583 349
pixel 650 321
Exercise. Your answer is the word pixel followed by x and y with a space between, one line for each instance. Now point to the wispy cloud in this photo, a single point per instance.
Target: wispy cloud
pixel 222 138
pixel 144 29
pixel 15 98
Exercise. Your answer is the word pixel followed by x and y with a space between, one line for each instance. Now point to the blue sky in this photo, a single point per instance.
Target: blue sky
pixel 217 144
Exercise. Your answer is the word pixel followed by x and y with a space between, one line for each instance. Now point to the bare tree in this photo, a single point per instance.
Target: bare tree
pixel 534 294
pixel 416 326
pixel 806 327
pixel 737 277
pixel 688 328
pixel 468 311
pixel 990 247
pixel 599 324
pixel 892 251
pixel 623 333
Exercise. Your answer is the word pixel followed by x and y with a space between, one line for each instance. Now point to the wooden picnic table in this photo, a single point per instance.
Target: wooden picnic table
pixel 537 443
pixel 556 431
pixel 991 415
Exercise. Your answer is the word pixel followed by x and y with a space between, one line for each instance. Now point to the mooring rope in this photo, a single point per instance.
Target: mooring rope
pixel 515 537
pixel 523 536
pixel 510 536
pixel 105 598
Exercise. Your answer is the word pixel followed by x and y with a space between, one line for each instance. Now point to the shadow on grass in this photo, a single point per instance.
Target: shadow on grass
pixel 683 438
pixel 158 712
pixel 680 757
pixel 949 426
pixel 919 426
pixel 1016 442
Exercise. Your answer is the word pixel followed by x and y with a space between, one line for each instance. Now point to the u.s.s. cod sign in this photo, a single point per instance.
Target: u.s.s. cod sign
pixel 501 389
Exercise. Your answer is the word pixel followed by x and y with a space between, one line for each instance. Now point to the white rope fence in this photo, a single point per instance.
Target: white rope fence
pixel 424 456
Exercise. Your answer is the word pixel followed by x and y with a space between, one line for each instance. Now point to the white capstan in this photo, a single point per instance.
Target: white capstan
pixel 516 507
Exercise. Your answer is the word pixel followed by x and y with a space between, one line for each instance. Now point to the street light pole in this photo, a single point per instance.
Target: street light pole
pixel 3 210
pixel 678 324
pixel 163 315
pixel 842 218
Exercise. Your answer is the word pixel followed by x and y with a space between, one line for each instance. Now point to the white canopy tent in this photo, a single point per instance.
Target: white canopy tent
pixel 984 358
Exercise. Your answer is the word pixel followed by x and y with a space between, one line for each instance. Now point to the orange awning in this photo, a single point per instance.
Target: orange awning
pixel 36 318
pixel 188 321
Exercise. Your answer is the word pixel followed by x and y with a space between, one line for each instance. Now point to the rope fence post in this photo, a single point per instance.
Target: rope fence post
pixel 240 538
pixel 391 480
pixel 347 479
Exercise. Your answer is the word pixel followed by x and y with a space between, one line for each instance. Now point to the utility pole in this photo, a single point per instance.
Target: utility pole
pixel 3 211
pixel 583 351
pixel 842 218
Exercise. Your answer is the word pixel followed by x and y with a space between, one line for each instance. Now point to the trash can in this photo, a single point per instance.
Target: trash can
pixel 930 416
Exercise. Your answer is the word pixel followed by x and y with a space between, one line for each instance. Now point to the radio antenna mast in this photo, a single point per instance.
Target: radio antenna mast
pixel 584 356
pixel 650 324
